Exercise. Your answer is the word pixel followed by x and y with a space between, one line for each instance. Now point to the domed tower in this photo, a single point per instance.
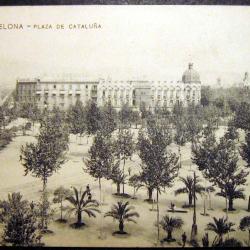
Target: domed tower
pixel 191 86
pixel 191 75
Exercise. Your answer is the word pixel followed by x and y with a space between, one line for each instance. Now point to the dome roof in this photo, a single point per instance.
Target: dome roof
pixel 190 75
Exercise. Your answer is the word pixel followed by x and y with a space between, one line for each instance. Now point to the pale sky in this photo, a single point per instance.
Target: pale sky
pixel 135 42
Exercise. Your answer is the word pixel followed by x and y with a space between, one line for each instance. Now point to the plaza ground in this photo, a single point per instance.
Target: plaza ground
pixel 142 234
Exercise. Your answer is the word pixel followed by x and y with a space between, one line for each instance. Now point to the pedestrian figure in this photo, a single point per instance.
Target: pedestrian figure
pixel 89 197
pixel 184 239
pixel 32 205
pixel 88 189
pixel 20 158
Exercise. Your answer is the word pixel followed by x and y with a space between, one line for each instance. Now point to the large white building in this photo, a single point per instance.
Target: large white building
pixel 48 93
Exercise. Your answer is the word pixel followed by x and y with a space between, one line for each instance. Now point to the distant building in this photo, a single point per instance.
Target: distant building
pixel 246 82
pixel 49 93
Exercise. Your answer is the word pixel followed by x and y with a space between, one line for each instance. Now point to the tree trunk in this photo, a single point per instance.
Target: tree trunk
pixel 121 227
pixel 249 237
pixel 79 217
pixel 248 209
pixel 123 175
pixel 158 219
pixel 118 188
pixel 150 193
pixel 190 199
pixel 230 204
pixel 61 211
pixel 169 236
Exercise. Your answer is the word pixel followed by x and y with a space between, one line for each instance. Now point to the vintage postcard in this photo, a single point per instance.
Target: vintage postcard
pixel 124 126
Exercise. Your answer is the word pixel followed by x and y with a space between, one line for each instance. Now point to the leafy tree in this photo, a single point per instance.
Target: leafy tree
pixel 242 116
pixel 20 223
pixel 135 182
pixel 219 163
pixel 221 227
pixel 135 118
pixel 159 166
pixel 122 212
pixel 108 115
pixel 125 116
pixel 193 127
pixel 189 188
pixel 45 157
pixel 245 149
pixel 245 225
pixel 124 148
pixel 60 195
pixel 232 133
pixel 206 95
pixel 6 136
pixel 92 118
pixel 101 159
pixel 76 118
pixel 169 224
pixel 80 204
pixel 117 176
pixel 44 212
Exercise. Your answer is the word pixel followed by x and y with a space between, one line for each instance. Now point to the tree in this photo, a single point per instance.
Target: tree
pixel 60 195
pixel 117 177
pixel 122 212
pixel 219 163
pixel 44 212
pixel 125 116
pixel 245 225
pixel 20 223
pixel 169 224
pixel 108 117
pixel 232 133
pixel 135 182
pixel 159 166
pixel 76 118
pixel 92 118
pixel 135 118
pixel 124 148
pixel 245 149
pixel 45 157
pixel 231 242
pixel 220 227
pixel 80 205
pixel 193 127
pixel 206 95
pixel 189 187
pixel 101 159
pixel 242 116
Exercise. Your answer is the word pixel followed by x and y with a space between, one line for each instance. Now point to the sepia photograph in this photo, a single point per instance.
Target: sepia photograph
pixel 125 126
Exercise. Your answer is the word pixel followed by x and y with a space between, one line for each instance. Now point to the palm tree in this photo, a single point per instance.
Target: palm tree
pixel 232 192
pixel 245 225
pixel 231 242
pixel 220 226
pixel 169 224
pixel 122 212
pixel 80 205
pixel 189 187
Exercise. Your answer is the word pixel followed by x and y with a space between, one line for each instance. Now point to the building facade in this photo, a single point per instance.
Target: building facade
pixel 49 93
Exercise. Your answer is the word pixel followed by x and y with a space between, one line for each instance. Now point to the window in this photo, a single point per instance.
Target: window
pixel 86 86
pixel 54 86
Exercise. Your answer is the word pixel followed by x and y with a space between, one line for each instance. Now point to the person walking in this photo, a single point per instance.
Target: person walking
pixel 184 239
